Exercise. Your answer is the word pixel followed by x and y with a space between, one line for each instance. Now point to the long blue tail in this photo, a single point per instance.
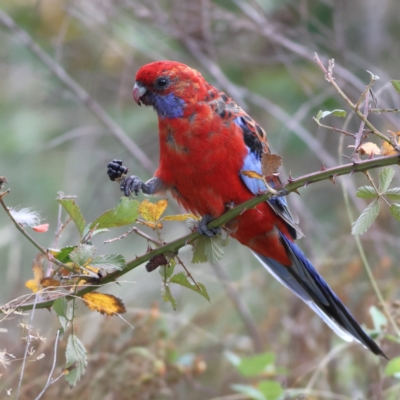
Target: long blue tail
pixel 304 281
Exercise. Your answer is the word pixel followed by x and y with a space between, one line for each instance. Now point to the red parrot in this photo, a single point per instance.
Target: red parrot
pixel 206 140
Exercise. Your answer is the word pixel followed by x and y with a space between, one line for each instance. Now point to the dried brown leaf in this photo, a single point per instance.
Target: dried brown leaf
pixel 270 163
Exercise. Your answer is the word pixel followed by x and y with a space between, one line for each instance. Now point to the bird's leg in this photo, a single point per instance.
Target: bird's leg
pixel 204 230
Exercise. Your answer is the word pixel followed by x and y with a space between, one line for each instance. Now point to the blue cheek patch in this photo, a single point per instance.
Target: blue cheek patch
pixel 168 106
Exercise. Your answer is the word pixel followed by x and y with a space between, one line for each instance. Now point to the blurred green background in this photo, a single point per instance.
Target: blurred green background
pixel 260 53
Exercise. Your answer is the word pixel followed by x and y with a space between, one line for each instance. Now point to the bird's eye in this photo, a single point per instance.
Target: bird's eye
pixel 162 82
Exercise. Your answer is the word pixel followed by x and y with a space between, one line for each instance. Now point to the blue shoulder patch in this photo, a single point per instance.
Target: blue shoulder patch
pixel 168 106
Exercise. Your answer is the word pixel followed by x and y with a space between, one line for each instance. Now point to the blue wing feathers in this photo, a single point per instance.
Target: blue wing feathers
pixel 303 280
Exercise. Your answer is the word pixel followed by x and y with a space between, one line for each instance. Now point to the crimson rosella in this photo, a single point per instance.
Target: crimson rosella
pixel 206 140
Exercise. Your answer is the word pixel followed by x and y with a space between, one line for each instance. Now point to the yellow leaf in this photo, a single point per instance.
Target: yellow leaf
pixel 387 149
pixel 93 269
pixel 252 174
pixel 38 274
pixel 181 217
pixel 49 282
pixel 152 211
pixel 270 163
pixel 104 303
pixel 32 285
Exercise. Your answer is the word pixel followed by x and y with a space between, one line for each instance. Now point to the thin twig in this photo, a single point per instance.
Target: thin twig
pixel 49 381
pixel 359 135
pixel 384 110
pixel 332 128
pixel 28 342
pixel 81 94
pixel 331 80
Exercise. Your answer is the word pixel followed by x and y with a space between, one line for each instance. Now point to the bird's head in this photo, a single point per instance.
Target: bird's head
pixel 169 87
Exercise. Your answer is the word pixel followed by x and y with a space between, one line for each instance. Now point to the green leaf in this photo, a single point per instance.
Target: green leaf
pixel 199 250
pixel 82 254
pixel 385 177
pixel 209 249
pixel 74 211
pixel 396 85
pixel 167 296
pixel 393 194
pixel 76 360
pixel 395 210
pixel 181 279
pixel 125 213
pixel 337 113
pixel 271 390
pixel 250 391
pixel 109 262
pixel 366 192
pixel 379 319
pixel 63 311
pixel 166 271
pixel 62 255
pixel 253 366
pixel 393 367
pixel 367 217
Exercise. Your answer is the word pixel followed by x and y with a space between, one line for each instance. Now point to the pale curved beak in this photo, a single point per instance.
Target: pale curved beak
pixel 138 92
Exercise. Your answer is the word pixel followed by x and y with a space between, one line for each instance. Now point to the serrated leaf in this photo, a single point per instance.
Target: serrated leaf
pixel 125 213
pixel 209 249
pixel 82 254
pixel 366 192
pixel 250 391
pixel 152 211
pixel 271 390
pixel 252 174
pixel 199 250
pixel 76 360
pixel 181 279
pixel 253 366
pixel 393 194
pixel 108 262
pixel 396 85
pixel 104 303
pixel 61 308
pixel 214 248
pixel 337 113
pixel 385 177
pixel 367 217
pixel 167 270
pixel 74 211
pixel 167 296
pixel 395 211
pixel 393 367
pixel 180 217
pixel 63 311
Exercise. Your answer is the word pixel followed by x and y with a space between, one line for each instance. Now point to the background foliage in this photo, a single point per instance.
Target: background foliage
pixel 261 53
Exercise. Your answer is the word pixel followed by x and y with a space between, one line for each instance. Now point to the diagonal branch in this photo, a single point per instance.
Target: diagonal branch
pixel 290 186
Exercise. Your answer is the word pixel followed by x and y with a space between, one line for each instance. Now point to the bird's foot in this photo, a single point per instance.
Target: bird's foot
pixel 204 230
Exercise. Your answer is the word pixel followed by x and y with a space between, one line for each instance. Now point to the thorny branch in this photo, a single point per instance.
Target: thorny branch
pixel 290 186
